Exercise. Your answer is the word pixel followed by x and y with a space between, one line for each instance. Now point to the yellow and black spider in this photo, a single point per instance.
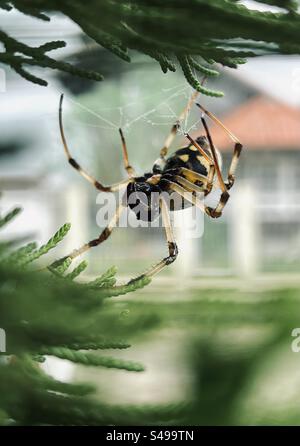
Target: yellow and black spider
pixel 194 168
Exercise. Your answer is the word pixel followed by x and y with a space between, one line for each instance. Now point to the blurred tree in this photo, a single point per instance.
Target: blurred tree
pixel 44 314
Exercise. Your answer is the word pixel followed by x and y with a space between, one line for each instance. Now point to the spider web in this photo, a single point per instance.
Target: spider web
pixel 171 102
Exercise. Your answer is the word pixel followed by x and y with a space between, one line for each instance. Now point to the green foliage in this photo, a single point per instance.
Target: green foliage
pixel 231 335
pixel 186 66
pixel 46 314
pixel 214 31
pixel 8 217
pixel 77 271
pixel 52 243
pixel 90 359
pixel 237 351
pixel 30 397
pixel 18 54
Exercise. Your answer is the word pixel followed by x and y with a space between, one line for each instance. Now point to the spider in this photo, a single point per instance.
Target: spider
pixel 193 168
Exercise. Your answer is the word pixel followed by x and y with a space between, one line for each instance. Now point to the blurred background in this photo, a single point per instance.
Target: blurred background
pixel 251 254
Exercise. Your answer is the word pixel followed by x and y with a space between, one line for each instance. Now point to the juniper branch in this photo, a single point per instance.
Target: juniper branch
pixel 202 69
pixel 46 316
pixel 37 57
pixel 91 359
pixel 162 28
pixel 124 289
pixel 52 243
pixel 77 271
pixel 8 217
pixel 20 254
pixel 60 266
pixel 107 279
pixel 98 345
pixel 187 71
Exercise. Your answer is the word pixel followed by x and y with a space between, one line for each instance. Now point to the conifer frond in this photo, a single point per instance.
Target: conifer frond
pixel 52 243
pixel 90 359
pixel 124 289
pixel 77 271
pixel 193 81
pixel 202 69
pixel 9 216
pixel 20 254
pixel 52 315
pixel 107 279
pixel 216 30
pixel 60 266
pixel 101 344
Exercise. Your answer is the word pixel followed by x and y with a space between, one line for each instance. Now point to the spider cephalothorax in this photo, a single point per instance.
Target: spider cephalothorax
pixel 193 169
pixel 142 197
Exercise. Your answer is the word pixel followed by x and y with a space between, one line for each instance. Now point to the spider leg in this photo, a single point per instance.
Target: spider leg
pixel 193 199
pixel 215 156
pixel 128 167
pixel 187 195
pixel 210 179
pixel 176 126
pixel 77 167
pixel 103 235
pixel 192 175
pixel 172 247
pixel 188 185
pixel 192 187
pixel 237 147
pixel 212 167
pixel 217 211
pixel 195 144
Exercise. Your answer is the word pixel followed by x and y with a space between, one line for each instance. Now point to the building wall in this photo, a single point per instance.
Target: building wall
pixel 260 231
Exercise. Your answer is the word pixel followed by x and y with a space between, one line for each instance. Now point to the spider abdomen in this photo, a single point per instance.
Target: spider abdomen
pixel 190 158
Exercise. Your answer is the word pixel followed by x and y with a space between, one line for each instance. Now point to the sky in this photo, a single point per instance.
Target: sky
pixel 277 76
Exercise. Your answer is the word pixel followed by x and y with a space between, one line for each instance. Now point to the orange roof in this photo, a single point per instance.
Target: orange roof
pixel 260 123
